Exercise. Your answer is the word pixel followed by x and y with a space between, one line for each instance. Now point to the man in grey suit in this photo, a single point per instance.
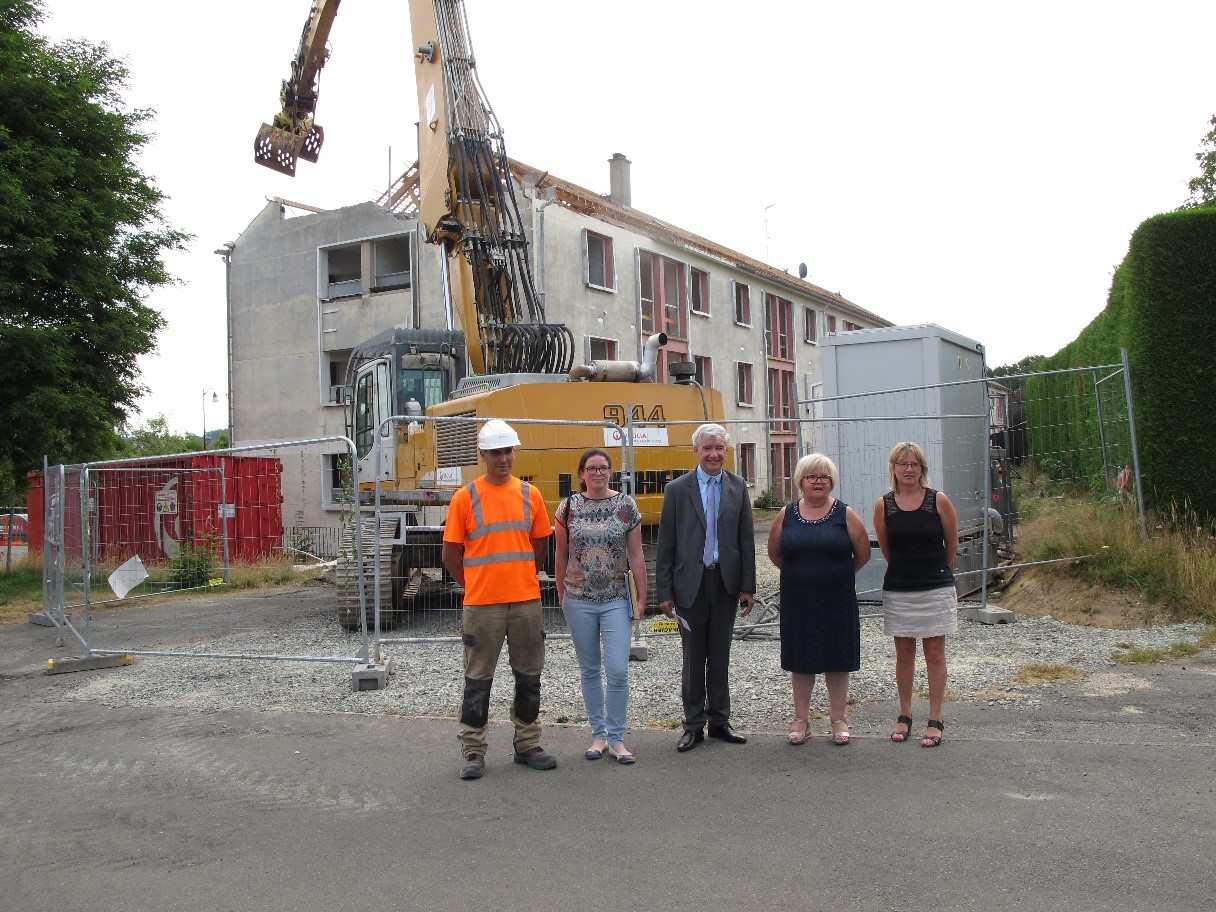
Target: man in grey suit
pixel 706 568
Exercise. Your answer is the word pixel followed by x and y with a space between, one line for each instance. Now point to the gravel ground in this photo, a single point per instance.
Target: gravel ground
pixel 426 676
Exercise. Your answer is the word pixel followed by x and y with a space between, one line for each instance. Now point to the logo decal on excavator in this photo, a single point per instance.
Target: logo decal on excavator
pixel 618 414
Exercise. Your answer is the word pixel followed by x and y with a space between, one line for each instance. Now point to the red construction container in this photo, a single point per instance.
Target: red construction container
pixel 151 508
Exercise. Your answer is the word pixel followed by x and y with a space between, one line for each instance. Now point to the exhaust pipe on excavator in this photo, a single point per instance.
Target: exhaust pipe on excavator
pixel 624 371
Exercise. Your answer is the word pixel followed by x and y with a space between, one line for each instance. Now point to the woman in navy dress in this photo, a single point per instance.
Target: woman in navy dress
pixel 819 543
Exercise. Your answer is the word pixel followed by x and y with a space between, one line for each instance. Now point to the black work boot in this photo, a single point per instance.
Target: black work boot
pixel 474 767
pixel 536 758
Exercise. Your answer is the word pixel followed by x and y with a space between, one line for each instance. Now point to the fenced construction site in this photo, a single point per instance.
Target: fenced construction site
pixel 115 532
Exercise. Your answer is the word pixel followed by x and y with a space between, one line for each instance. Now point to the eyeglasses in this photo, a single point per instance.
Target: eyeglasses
pixel 817 479
pixel 597 470
pixel 907 465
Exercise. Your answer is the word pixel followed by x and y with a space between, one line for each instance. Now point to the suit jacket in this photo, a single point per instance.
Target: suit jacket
pixel 679 562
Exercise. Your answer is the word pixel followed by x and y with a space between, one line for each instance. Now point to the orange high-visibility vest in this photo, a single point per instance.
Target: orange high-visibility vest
pixel 496 524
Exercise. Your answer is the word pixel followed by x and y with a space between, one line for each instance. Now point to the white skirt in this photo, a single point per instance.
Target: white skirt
pixel 928 613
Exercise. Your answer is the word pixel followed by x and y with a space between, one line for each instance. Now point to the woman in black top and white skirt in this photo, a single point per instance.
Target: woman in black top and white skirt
pixel 917 530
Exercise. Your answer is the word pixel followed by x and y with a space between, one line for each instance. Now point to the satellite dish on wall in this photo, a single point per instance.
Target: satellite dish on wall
pixel 802 270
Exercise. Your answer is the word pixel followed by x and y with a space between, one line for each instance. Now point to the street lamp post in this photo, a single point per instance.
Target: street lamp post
pixel 215 397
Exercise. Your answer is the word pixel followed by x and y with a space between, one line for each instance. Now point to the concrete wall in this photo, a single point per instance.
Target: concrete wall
pixel 285 331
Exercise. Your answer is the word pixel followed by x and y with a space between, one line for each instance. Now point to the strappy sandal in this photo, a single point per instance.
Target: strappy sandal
pixel 841 738
pixel 899 737
pixel 799 737
pixel 933 740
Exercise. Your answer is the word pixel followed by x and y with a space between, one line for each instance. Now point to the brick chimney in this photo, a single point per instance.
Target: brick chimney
pixel 618 180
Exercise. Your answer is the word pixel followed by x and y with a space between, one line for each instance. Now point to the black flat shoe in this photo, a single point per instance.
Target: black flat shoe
pixel 620 755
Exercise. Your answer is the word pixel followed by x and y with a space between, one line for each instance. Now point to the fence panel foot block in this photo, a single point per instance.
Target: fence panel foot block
pixel 86 663
pixel 371 676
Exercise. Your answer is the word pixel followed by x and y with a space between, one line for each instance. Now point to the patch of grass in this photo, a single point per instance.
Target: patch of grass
pixel 1137 656
pixel 1174 569
pixel 268 573
pixel 21 589
pixel 1184 650
pixel 950 696
pixel 1046 673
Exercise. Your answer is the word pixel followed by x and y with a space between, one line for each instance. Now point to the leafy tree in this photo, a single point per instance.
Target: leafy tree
pixel 1203 187
pixel 81 246
pixel 1028 365
pixel 155 439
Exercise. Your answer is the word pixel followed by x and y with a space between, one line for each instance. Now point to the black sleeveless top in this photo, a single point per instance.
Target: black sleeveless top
pixel 916 545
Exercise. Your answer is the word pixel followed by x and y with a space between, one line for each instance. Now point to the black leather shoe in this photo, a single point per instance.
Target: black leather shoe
pixel 727 734
pixel 689 740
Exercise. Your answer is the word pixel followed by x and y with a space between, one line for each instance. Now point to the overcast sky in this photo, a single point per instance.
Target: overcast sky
pixel 976 165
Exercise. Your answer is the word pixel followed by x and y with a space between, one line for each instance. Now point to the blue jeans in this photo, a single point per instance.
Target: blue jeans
pixel 589 624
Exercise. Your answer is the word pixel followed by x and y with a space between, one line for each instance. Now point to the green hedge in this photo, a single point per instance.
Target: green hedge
pixel 1162 309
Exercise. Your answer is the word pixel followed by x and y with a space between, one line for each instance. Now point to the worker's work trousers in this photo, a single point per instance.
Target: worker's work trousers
pixel 484 628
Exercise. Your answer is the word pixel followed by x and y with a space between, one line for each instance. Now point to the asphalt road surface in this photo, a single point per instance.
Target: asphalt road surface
pixel 1091 800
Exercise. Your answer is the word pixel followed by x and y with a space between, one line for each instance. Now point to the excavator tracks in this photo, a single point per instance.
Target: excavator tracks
pixel 347 575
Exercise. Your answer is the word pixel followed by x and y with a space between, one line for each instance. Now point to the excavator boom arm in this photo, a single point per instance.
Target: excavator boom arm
pixel 467 195
pixel 293 134
pixel 468 204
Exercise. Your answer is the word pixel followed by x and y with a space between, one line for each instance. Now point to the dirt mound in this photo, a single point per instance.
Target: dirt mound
pixel 1040 591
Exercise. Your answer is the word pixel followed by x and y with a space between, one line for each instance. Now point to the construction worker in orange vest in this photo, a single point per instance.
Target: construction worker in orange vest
pixel 495 539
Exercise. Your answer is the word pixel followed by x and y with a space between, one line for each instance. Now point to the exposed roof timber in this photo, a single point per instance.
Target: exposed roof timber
pixel 293 205
pixel 403 196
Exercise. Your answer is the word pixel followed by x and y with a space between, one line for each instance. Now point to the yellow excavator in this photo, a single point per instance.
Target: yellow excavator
pixel 508 362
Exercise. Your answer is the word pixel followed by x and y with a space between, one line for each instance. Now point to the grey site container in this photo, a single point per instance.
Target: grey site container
pixel 903 383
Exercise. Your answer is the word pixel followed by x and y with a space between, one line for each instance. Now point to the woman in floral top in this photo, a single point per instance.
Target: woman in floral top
pixel 599 539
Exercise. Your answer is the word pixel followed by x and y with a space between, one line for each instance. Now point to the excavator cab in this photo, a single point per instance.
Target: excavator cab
pixel 402 372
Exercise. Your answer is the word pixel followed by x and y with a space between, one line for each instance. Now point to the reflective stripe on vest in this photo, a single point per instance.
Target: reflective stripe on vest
pixel 481 529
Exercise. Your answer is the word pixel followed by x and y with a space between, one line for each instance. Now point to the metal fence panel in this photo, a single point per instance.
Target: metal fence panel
pixel 121 531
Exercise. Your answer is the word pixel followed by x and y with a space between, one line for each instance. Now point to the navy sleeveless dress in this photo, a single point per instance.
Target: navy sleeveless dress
pixel 820 628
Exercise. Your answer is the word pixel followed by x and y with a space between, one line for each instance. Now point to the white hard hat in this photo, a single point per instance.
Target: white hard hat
pixel 497 434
